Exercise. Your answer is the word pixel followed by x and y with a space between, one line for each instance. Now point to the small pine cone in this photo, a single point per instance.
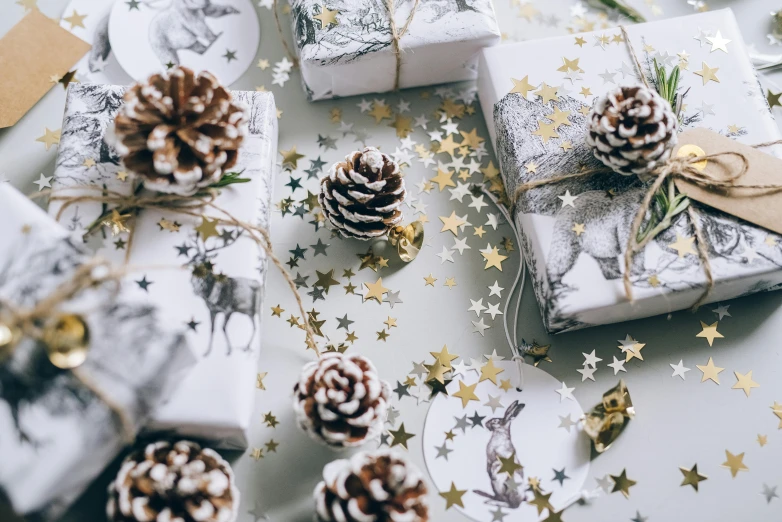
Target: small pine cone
pixel 178 132
pixel 362 196
pixel 378 486
pixel 178 482
pixel 632 130
pixel 340 400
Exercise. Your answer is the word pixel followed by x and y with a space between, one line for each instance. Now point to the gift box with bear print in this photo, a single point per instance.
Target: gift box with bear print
pixel 575 232
pixel 347 47
pixel 60 427
pixel 206 278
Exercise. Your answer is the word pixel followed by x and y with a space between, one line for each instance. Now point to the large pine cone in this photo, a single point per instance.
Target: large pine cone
pixel 362 196
pixel 173 483
pixel 378 486
pixel 340 400
pixel 632 130
pixel 179 132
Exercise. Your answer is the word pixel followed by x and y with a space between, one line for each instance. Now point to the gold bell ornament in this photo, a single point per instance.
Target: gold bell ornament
pixel 605 422
pixel 408 240
pixel 67 340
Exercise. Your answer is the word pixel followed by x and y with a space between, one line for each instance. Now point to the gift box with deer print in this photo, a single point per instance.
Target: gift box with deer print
pixel 213 285
pixel 60 427
pixel 574 233
pixel 347 47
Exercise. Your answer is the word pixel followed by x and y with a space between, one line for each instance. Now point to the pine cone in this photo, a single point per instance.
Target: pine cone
pixel 377 486
pixel 362 196
pixel 632 130
pixel 340 400
pixel 179 132
pixel 173 483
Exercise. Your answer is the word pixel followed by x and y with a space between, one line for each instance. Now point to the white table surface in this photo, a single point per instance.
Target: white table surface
pixel 678 423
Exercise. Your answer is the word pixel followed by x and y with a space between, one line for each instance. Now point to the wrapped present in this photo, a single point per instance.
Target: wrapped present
pixel 59 427
pixel 217 291
pixel 575 232
pixel 348 47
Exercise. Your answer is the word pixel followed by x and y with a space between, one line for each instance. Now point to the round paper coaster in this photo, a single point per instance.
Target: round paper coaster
pixel 490 431
pixel 89 20
pixel 219 36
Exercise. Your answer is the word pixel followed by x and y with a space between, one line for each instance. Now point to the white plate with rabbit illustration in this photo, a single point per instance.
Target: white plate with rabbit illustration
pixel 89 20
pixel 498 425
pixel 219 36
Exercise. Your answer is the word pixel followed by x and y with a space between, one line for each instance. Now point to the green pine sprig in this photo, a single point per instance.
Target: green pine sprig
pixel 230 178
pixel 667 202
pixel 620 6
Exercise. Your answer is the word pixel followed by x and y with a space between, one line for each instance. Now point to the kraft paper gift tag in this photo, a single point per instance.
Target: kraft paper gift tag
pixel 762 207
pixel 32 52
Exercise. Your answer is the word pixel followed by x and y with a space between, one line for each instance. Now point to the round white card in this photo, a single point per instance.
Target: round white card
pixel 219 36
pixel 526 424
pixel 89 20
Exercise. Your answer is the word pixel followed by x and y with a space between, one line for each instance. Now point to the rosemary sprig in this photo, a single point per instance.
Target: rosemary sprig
pixel 229 178
pixel 620 6
pixel 667 202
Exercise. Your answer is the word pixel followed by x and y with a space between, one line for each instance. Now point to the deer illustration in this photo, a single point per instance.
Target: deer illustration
pixel 182 25
pixel 223 294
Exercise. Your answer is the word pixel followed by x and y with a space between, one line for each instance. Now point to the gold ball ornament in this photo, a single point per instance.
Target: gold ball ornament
pixel 9 337
pixel 67 341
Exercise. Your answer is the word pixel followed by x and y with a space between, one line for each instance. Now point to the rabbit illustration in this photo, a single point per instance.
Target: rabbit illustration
pixel 182 25
pixel 501 445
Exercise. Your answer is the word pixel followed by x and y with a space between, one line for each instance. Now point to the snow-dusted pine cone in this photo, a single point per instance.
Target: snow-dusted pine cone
pixel 632 130
pixel 340 400
pixel 362 196
pixel 178 482
pixel 378 486
pixel 179 132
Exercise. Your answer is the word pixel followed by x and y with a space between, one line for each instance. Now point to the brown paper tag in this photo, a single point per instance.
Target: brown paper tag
pixel 760 207
pixel 32 52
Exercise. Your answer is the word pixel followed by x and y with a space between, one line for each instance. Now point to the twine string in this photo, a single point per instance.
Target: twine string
pixel 288 51
pixel 396 36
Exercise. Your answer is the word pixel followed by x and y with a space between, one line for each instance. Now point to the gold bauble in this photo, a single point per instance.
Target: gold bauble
pixel 67 341
pixel 9 337
pixel 408 240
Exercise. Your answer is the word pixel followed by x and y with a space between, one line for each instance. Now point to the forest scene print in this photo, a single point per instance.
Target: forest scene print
pixel 364 26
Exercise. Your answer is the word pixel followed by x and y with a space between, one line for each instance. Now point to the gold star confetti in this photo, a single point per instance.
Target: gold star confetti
pixel 256 454
pixel 270 420
pixel 444 357
pixel 770 241
pixel 451 223
pixel 570 65
pixel 546 131
pixel 584 110
pixel 509 465
pixel 773 99
pixel 436 372
pixel 489 372
pixel 326 17
pixel 207 228
pixel 528 11
pixel 429 280
pixel 450 282
pixel 654 281
pixel 453 497
pixel 277 311
pixel 493 258
pixel 505 385
pixel 466 393
pixel 541 501
pixel 478 231
pixel 380 111
pixel 444 178
pixel 390 322
pixel 271 446
pixel 522 86
pixel 76 20
pixel 400 436
pixel 734 463
pixel 565 146
pixel 547 93
pixel 762 440
pixel 622 483
pixel 710 372
pixel 531 167
pixel 326 280
pixel 745 382
pixel 692 477
pixel 471 139
pixel 171 226
pixel 578 228
pixel 403 126
pixel 259 380
pixel 585 92
pixel 708 74
pixel 382 335
pixel 490 171
pixel 290 158
pixel 448 146
pixel 263 64
pixel 709 332
pixel 49 137
pixel 452 109
pixel 683 245
pixel 559 117
pixel 117 222
pixel 375 290
pixel 580 41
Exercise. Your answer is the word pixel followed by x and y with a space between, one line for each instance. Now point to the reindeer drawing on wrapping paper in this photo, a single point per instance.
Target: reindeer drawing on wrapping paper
pixel 182 25
pixel 223 294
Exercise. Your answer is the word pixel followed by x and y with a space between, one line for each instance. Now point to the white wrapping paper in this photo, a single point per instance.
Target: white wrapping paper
pixel 355 56
pixel 216 401
pixel 56 436
pixel 578 276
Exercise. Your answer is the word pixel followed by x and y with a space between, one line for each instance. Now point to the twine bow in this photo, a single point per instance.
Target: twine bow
pixel 396 36
pixel 194 206
pixel 689 168
pixel 34 323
